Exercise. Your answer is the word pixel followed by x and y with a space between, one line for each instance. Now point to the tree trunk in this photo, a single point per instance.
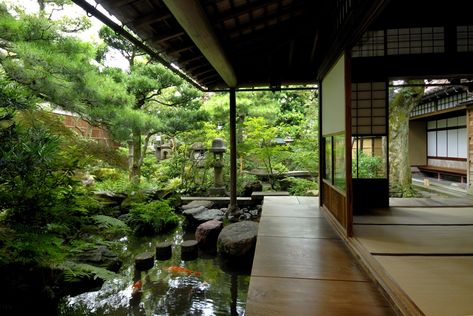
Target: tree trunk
pixel 135 171
pixel 402 103
pixel 42 6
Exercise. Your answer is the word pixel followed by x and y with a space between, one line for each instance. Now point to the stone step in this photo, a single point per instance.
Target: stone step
pixel 259 196
pixel 219 200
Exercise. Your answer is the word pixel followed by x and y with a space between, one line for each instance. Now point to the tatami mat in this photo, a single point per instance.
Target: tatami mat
pixel 388 239
pixel 440 286
pixel 431 202
pixel 418 216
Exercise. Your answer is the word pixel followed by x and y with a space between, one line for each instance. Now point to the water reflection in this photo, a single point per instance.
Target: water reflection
pixel 218 289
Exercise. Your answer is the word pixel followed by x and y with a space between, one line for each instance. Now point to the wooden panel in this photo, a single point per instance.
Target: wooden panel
pixel 370 193
pixel 469 126
pixel 335 202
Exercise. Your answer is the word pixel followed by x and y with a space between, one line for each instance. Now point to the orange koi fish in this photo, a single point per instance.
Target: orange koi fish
pixel 181 270
pixel 135 289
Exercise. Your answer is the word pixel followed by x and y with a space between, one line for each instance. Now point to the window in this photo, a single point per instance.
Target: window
pixel 446 138
pixel 370 45
pixel 420 40
pixel 368 153
pixel 465 38
pixel 368 108
pixel 335 160
pixel 339 174
pixel 328 159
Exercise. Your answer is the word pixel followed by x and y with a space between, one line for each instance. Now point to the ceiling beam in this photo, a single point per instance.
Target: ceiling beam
pixel 191 16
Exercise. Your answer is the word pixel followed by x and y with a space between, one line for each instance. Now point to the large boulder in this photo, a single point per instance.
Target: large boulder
pixel 238 239
pixel 198 203
pixel 207 233
pixel 199 215
pixel 100 256
pixel 250 187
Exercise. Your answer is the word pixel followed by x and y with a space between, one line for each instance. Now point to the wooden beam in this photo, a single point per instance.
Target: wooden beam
pixel 191 16
pixel 115 4
pixel 160 38
pixel 233 208
pixel 179 49
pixel 132 39
pixel 148 19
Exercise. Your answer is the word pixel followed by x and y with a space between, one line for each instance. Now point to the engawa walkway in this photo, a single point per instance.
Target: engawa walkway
pixel 301 267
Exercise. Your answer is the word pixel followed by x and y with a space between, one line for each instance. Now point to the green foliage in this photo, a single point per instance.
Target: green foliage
pixel 152 218
pixel 35 177
pixel 58 68
pixel 259 145
pixel 301 187
pixel 112 226
pixel 102 174
pixel 31 247
pixel 368 167
pixel 74 271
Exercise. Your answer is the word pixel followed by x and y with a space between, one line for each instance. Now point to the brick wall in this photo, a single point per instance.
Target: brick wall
pixel 85 129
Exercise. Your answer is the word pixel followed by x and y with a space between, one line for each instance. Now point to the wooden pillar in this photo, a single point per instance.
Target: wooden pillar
pixel 321 150
pixel 233 208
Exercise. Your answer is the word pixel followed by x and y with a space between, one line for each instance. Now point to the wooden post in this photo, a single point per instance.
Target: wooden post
pixel 233 208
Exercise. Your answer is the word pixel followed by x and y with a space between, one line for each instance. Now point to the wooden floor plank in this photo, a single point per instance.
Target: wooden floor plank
pixel 305 258
pixel 301 267
pixel 296 227
pixel 285 210
pixel 280 296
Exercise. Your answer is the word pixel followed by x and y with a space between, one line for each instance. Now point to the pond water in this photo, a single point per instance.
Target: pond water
pixel 212 288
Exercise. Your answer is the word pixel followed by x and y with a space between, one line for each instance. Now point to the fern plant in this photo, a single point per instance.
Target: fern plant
pixel 74 271
pixel 110 225
pixel 152 218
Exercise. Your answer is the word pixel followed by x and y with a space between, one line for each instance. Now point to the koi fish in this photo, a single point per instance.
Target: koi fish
pixel 181 270
pixel 135 289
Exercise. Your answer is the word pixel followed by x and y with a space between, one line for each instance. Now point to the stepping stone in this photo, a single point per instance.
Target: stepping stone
pixel 164 250
pixel 189 250
pixel 207 233
pixel 144 261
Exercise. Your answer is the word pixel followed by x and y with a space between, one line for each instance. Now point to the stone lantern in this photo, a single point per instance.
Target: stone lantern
pixel 218 148
pixel 197 153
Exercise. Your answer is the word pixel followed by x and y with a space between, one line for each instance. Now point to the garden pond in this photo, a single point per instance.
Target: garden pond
pixel 205 286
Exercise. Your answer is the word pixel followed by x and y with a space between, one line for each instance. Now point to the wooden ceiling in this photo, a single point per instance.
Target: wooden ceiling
pixel 267 43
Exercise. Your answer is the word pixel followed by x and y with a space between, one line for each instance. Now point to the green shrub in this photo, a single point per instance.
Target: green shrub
pixel 301 187
pixel 369 167
pixel 102 174
pixel 151 218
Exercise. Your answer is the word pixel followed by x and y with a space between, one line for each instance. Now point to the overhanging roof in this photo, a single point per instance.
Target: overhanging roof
pixel 246 43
